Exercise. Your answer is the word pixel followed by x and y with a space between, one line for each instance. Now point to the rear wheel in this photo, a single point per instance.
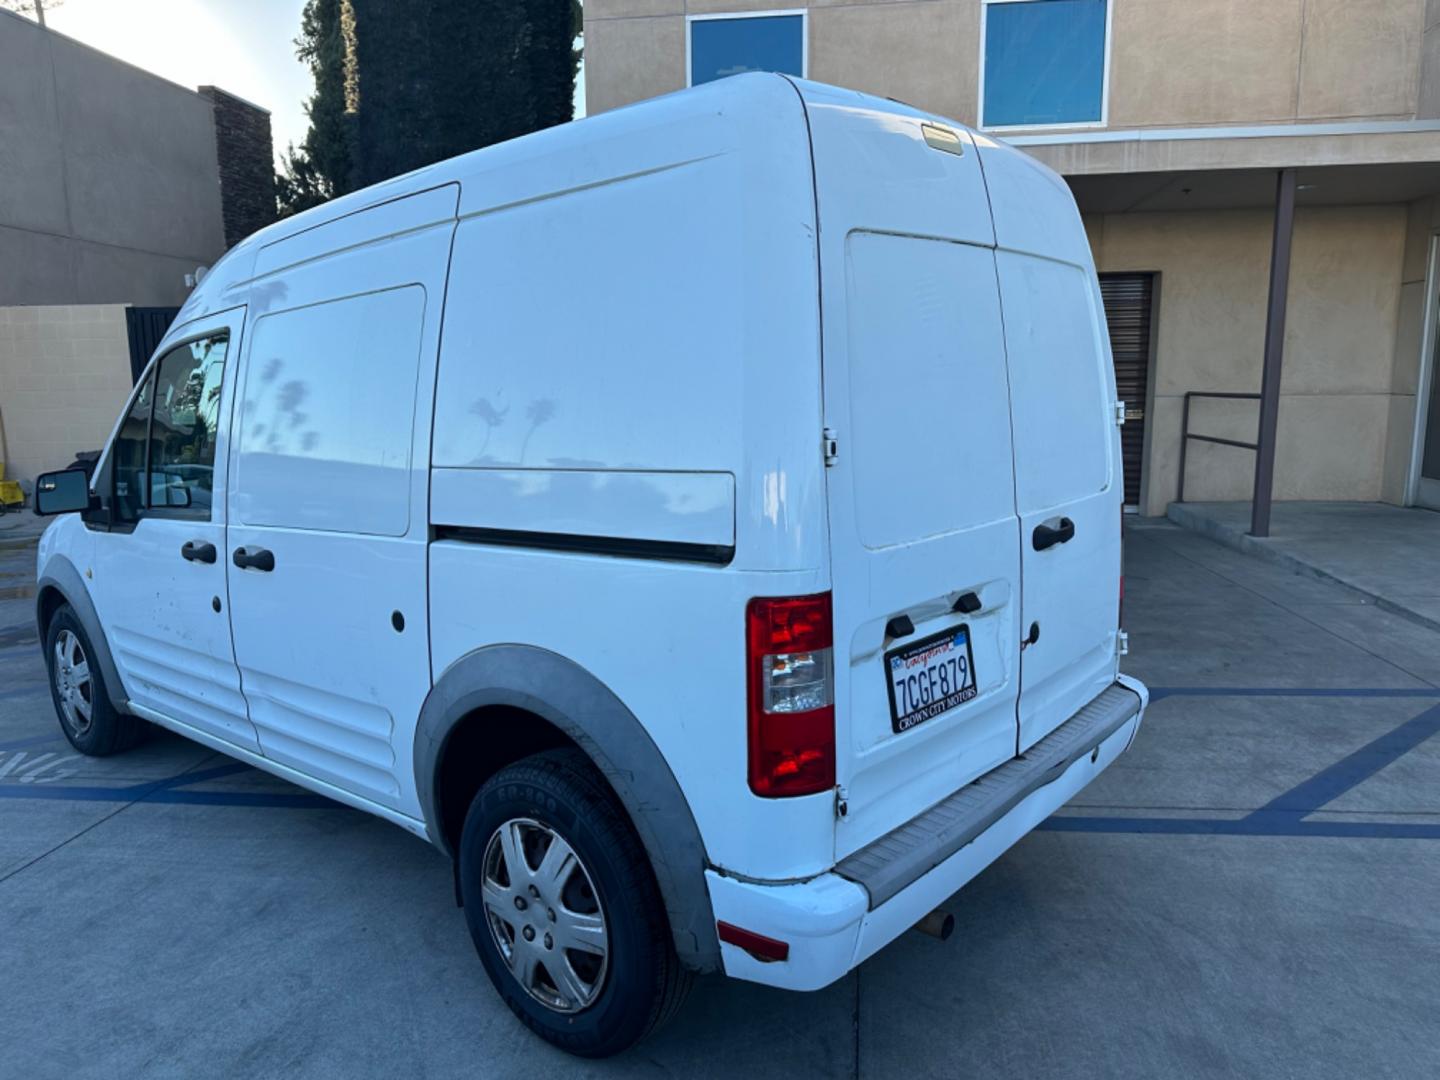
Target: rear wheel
pixel 93 726
pixel 563 907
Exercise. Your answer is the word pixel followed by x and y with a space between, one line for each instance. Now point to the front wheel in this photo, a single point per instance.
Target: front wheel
pixel 93 726
pixel 564 909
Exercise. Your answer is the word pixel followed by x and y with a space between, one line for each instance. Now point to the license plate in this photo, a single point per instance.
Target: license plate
pixel 930 677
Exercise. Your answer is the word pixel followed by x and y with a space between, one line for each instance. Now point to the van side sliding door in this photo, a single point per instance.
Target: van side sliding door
pixel 328 521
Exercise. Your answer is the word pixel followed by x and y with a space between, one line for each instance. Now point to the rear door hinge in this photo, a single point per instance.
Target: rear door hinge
pixel 831 443
pixel 1119 414
pixel 842 803
pixel 1122 643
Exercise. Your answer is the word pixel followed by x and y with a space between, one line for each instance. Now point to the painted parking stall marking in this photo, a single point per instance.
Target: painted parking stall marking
pixel 1285 815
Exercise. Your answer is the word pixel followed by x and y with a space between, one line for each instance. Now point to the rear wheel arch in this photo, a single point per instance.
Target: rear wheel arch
pixel 476 747
pixel 511 701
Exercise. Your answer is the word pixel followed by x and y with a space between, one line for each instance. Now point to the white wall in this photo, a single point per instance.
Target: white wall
pixel 64 377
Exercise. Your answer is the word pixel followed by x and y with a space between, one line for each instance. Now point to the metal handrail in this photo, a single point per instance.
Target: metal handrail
pixel 1185 435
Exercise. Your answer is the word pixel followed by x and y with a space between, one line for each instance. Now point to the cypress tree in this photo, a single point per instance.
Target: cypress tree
pixel 322 166
pixel 400 84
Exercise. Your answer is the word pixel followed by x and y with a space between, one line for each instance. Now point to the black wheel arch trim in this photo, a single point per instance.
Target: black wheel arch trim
pixel 580 705
pixel 61 576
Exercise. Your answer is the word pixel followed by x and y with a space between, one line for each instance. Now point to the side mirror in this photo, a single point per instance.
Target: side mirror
pixel 64 492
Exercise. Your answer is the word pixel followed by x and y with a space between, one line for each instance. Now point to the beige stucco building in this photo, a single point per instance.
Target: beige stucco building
pixel 115 184
pixel 1171 120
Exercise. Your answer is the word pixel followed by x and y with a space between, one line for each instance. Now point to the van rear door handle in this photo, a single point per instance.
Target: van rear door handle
pixel 254 559
pixel 968 604
pixel 900 626
pixel 1046 537
pixel 197 551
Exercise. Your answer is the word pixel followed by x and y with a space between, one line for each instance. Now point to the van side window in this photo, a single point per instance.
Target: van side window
pixel 184 427
pixel 327 416
pixel 165 449
pixel 131 444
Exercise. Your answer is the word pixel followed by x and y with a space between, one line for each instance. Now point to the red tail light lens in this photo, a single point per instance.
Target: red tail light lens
pixel 790 663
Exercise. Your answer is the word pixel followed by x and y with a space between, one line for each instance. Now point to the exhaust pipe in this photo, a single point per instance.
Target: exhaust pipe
pixel 938 924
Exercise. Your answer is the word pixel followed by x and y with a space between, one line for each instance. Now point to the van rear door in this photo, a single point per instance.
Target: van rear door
pixel 1068 484
pixel 924 541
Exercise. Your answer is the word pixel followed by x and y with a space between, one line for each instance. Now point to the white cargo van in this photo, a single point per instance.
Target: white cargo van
pixel 701 522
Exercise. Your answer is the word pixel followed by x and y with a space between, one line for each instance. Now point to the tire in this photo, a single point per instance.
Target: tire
pixel 609 1002
pixel 77 688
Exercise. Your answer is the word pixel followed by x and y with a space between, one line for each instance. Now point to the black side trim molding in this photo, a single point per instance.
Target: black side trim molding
pixel 617 546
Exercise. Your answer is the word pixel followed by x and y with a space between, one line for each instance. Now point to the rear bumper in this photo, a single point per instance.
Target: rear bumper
pixel 837 920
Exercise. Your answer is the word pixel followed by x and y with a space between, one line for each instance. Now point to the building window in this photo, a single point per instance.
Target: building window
pixel 1044 63
pixel 729 44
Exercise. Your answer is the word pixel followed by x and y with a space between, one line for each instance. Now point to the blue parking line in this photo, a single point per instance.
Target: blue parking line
pixel 230 768
pixel 1160 693
pixel 297 800
pixel 156 793
pixel 1269 824
pixel 1282 816
pixel 1330 783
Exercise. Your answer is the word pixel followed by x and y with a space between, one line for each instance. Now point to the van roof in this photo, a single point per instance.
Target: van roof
pixel 762 95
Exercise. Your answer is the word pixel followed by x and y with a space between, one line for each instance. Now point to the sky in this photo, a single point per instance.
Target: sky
pixel 244 46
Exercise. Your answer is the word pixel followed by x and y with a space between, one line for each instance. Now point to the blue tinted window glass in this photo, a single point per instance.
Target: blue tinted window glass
pixel 720 47
pixel 1044 62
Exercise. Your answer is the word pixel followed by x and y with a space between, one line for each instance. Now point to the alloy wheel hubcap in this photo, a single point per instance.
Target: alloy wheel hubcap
pixel 545 915
pixel 72 682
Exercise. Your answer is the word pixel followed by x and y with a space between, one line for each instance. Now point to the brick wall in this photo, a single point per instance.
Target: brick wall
pixel 247 164
pixel 64 377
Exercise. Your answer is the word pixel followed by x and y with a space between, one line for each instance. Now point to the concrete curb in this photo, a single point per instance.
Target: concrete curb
pixel 1187 518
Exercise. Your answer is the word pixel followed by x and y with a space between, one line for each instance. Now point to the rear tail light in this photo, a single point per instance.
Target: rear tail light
pixel 791 703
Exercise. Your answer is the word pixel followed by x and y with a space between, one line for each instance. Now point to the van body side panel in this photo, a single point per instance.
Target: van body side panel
pixel 331 476
pixel 686 509
pixel 631 354
pixel 1067 444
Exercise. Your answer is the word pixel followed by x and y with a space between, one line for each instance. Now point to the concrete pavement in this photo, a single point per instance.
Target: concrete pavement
pixel 1390 554
pixel 1248 892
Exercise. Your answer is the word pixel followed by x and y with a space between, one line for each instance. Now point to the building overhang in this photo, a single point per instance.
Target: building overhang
pixel 1234 167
